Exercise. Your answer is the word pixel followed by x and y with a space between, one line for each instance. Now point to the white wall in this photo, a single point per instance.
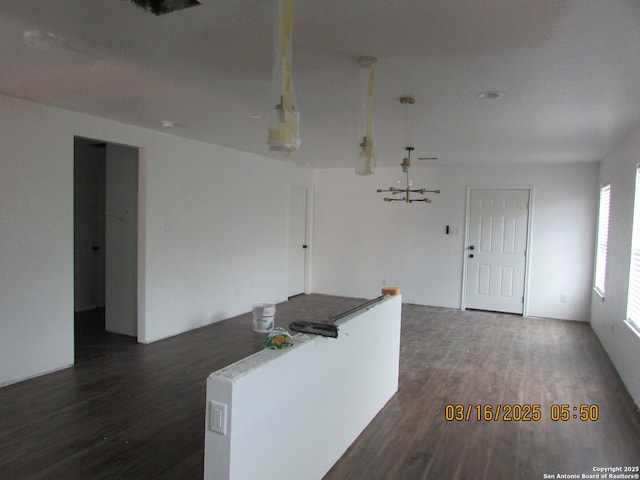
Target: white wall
pixel 214 231
pixel 36 240
pixel 368 240
pixel 622 345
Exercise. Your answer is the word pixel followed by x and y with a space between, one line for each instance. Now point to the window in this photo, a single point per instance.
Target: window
pixel 633 304
pixel 603 239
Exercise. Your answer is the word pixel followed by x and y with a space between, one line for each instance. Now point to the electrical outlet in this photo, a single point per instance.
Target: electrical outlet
pixel 385 282
pixel 564 298
pixel 218 417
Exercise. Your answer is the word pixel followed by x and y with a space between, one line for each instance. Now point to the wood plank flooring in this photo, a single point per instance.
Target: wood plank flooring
pixel 479 358
pixel 131 411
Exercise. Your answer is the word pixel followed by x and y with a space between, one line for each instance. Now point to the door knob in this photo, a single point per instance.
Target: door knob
pixel 471 255
pixel 472 247
pixel 304 246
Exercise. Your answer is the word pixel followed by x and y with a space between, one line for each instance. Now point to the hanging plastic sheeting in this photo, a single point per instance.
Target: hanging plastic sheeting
pixel 368 157
pixel 284 129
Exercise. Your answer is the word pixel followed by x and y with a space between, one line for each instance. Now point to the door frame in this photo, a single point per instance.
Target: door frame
pixel 141 234
pixel 530 189
pixel 308 234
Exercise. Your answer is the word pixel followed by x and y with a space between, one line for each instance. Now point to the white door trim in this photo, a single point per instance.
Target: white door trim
pixel 463 299
pixel 142 244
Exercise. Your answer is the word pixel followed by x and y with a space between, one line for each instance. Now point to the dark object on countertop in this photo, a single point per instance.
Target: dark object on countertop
pixel 365 305
pixel 329 329
pixel 316 328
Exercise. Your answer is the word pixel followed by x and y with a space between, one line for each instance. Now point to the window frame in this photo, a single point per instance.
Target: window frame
pixel 633 295
pixel 602 241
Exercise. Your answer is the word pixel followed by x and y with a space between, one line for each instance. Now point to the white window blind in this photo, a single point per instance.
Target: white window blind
pixel 603 239
pixel 633 305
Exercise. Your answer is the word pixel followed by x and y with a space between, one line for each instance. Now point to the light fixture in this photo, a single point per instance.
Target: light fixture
pixel 160 7
pixel 407 194
pixel 367 154
pixel 285 119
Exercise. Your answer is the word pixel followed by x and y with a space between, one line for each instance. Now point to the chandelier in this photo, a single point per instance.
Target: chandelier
pixel 408 194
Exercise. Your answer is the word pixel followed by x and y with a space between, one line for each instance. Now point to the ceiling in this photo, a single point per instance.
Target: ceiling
pixel 568 71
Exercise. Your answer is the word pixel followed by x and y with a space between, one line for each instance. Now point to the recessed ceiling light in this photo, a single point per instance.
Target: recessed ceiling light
pixel 168 123
pixel 489 95
pixel 255 116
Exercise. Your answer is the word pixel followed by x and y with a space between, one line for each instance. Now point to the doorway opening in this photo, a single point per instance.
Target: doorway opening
pixel 105 244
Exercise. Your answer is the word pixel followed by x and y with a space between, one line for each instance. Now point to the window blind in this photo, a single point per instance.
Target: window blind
pixel 633 305
pixel 603 239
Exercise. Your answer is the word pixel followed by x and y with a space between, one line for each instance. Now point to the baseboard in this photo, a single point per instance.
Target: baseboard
pixel 18 380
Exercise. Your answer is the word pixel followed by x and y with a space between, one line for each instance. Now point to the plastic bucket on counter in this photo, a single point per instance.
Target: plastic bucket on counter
pixel 263 317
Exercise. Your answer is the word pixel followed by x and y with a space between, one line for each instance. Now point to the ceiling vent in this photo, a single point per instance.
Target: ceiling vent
pixel 160 7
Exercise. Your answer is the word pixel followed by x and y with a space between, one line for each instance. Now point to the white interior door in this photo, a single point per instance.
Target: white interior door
pixel 121 233
pixel 297 239
pixel 496 249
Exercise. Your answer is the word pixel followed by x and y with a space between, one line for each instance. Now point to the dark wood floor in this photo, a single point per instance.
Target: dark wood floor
pixel 130 411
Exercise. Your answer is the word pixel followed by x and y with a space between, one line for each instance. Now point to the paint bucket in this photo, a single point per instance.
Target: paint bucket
pixel 263 317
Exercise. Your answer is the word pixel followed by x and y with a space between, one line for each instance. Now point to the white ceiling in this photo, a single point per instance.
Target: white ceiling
pixel 569 71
